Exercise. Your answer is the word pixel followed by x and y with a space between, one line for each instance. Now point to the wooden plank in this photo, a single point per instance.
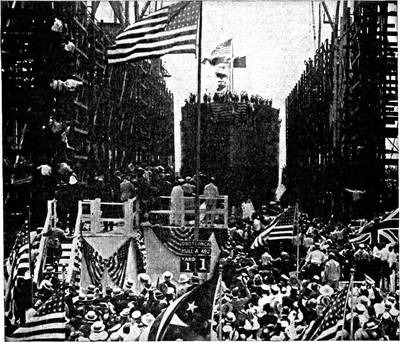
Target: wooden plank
pixel 80 25
pixel 81 105
pixel 81 53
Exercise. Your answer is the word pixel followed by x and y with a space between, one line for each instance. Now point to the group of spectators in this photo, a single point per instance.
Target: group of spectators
pixel 232 97
pixel 265 299
pixel 112 313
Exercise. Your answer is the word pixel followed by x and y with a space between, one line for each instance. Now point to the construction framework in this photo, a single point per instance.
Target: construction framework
pixel 342 120
pixel 119 115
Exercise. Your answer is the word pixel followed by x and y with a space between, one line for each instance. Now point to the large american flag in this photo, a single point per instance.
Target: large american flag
pixel 94 261
pixel 281 229
pixel 331 325
pixel 172 29
pixel 116 265
pixel 18 263
pixel 49 321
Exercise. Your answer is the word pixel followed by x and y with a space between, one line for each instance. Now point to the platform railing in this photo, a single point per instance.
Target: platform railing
pixel 173 212
pixel 51 220
pixel 97 217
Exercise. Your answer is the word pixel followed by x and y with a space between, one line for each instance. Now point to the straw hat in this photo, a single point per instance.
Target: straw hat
pixel 183 279
pixel 147 319
pixel 144 278
pixel 129 284
pixel 91 316
pixel 230 317
pixel 326 290
pixel 136 314
pixel 91 289
pixel 125 312
pixel 115 328
pixel 168 275
pixel 117 292
pixel 98 332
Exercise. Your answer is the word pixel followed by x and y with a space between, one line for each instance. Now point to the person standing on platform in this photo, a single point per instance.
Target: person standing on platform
pixel 177 215
pixel 211 193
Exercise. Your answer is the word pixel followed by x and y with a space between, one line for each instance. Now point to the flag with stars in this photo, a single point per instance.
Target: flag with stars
pixel 17 264
pixel 187 318
pixel 172 29
pixel 280 229
pixel 330 327
pixel 94 261
pixel 116 265
pixel 49 321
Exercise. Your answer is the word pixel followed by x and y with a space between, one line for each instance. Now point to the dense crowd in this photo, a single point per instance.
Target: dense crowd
pixel 233 97
pixel 264 298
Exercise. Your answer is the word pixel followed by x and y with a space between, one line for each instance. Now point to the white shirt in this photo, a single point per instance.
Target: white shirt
pixel 384 254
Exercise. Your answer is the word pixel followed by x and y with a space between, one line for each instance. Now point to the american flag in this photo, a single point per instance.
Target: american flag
pixel 77 263
pixel 333 319
pixel 173 237
pixel 18 261
pixel 280 229
pixel 49 321
pixel 94 261
pixel 116 265
pixel 172 29
pixel 223 50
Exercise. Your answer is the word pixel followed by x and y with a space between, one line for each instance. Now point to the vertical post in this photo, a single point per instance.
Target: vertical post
pixel 126 13
pixel 226 210
pixel 232 67
pixel 296 217
pixel 197 206
pixel 352 304
pixel 220 306
pixel 30 249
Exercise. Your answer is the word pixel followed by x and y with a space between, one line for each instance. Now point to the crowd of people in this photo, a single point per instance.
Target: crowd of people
pixel 265 299
pixel 233 97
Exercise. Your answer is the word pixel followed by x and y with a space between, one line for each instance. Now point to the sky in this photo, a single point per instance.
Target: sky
pixel 275 36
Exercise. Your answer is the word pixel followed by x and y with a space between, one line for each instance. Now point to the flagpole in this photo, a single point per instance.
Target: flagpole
pixel 197 207
pixel 30 251
pixel 352 306
pixel 297 242
pixel 349 291
pixel 220 306
pixel 232 68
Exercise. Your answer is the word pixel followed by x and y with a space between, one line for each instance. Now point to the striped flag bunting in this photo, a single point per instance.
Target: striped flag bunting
pixel 94 261
pixel 77 265
pixel 18 263
pixel 280 229
pixel 49 321
pixel 330 327
pixel 172 237
pixel 228 109
pixel 116 265
pixel 170 30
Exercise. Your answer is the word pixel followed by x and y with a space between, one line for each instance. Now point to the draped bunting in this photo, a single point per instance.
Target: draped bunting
pixel 95 263
pixel 172 237
pixel 115 265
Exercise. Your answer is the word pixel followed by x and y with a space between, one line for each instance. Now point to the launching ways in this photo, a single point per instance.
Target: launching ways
pixel 106 226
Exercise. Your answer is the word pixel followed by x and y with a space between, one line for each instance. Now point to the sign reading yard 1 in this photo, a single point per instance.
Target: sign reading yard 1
pixel 197 256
